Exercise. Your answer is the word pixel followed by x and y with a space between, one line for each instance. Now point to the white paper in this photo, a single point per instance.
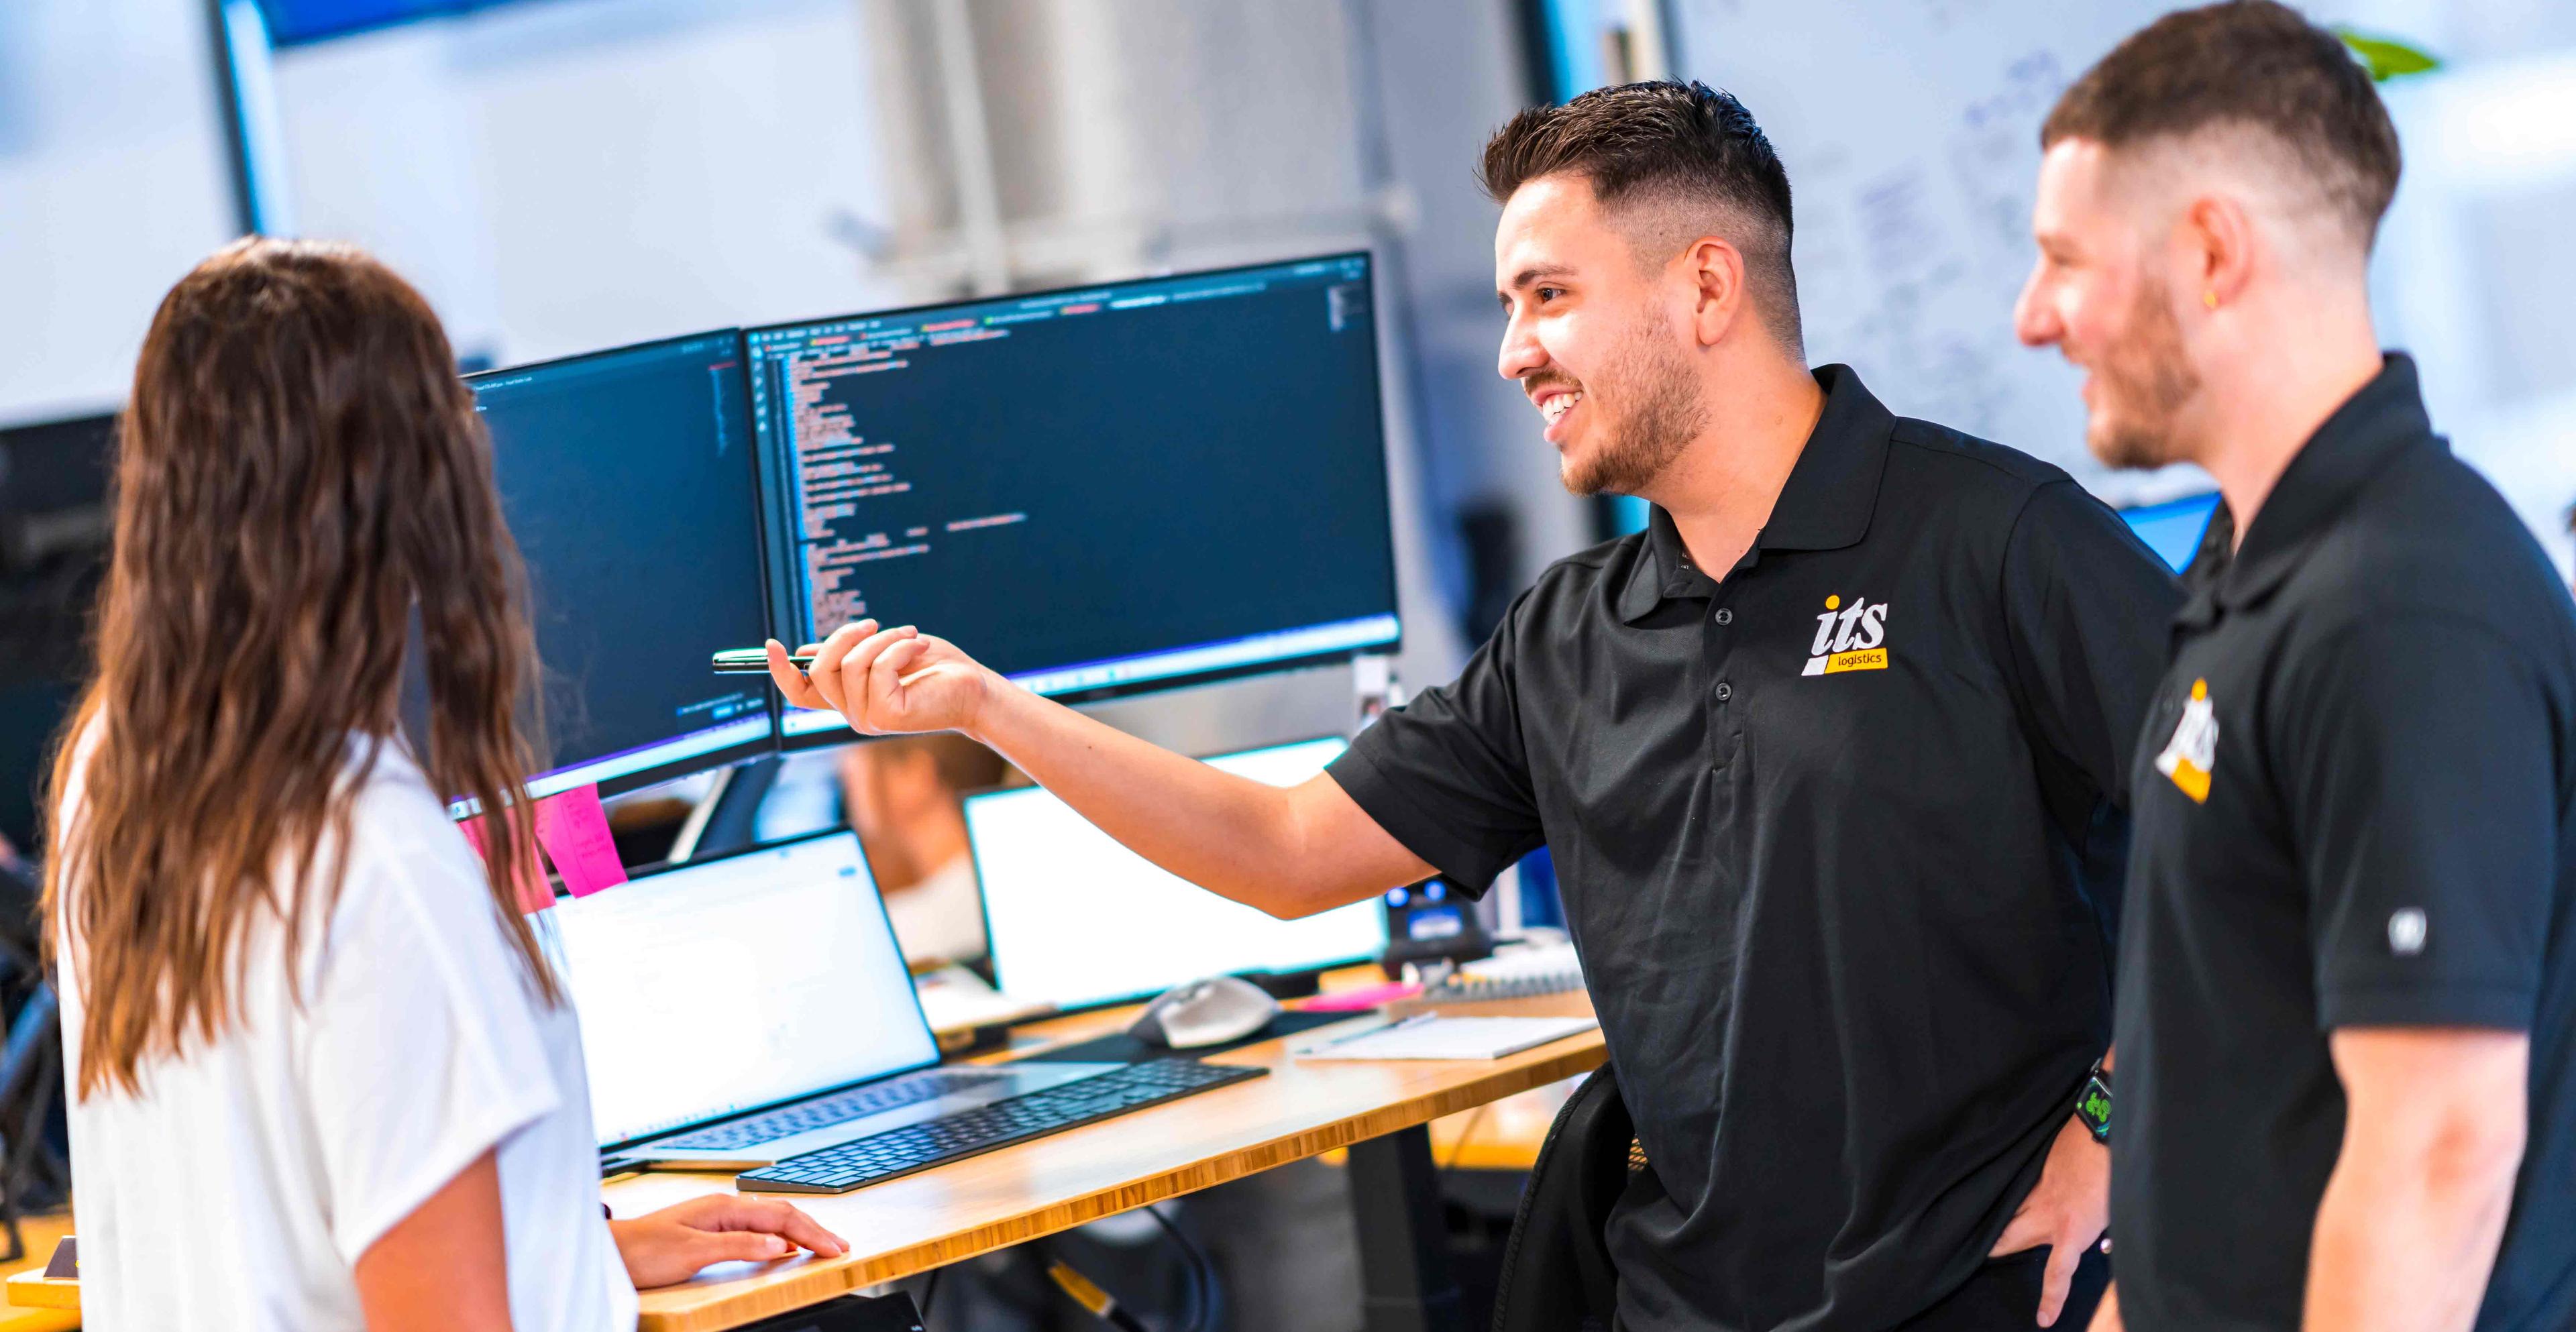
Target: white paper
pixel 1452 1038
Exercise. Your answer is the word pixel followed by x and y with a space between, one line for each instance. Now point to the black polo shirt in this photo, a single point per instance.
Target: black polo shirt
pixel 1829 831
pixel 2356 808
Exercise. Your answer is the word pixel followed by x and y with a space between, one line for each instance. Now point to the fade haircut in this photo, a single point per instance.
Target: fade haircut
pixel 1676 158
pixel 2249 65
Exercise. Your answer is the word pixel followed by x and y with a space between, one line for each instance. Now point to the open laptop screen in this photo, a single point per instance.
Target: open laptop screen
pixel 736 984
pixel 1075 919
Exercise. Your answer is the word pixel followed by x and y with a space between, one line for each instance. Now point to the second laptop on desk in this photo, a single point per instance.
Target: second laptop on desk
pixel 755 1010
pixel 1078 921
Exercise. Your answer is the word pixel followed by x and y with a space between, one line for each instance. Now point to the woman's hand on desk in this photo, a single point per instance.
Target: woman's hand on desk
pixel 887 681
pixel 673 1244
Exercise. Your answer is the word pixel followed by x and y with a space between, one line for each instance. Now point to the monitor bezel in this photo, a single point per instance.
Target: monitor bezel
pixel 28 681
pixel 780 560
pixel 743 751
pixel 984 901
pixel 918 1015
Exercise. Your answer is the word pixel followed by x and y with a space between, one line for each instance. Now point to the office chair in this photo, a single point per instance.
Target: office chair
pixel 1556 1266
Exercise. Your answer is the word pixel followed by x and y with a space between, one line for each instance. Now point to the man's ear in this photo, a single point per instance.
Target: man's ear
pixel 1715 269
pixel 2217 238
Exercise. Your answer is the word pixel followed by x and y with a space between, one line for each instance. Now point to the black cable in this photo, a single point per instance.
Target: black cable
pixel 1201 1279
pixel 929 1293
pixel 1202 1272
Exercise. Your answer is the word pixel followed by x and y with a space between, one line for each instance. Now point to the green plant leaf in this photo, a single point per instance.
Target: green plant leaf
pixel 2386 57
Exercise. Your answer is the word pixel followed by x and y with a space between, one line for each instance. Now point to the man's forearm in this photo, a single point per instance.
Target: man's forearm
pixel 2400 1246
pixel 2406 1233
pixel 1235 836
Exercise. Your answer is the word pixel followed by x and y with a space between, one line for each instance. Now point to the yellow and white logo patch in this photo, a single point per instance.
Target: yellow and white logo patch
pixel 2192 754
pixel 1849 638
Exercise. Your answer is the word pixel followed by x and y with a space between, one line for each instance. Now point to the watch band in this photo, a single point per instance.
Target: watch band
pixel 2093 1104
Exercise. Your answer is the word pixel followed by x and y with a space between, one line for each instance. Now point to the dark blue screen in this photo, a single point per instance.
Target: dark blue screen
pixel 1155 479
pixel 627 479
pixel 292 22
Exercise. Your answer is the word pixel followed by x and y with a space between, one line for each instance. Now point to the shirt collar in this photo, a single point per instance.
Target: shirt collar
pixel 1826 504
pixel 2384 418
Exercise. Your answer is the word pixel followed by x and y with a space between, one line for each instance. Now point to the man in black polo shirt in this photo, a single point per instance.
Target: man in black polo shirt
pixel 2347 1010
pixel 1830 759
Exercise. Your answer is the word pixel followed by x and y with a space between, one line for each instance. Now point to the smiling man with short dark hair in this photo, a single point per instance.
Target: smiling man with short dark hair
pixel 1830 759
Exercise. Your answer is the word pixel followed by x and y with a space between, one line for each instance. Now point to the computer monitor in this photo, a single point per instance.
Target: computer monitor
pixel 1074 919
pixel 1122 487
pixel 2173 530
pixel 628 479
pixel 55 526
pixel 813 991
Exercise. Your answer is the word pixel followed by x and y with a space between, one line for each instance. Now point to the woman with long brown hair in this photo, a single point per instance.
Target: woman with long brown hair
pixel 324 1076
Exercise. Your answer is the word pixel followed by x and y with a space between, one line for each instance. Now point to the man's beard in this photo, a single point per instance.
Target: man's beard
pixel 1664 414
pixel 2143 387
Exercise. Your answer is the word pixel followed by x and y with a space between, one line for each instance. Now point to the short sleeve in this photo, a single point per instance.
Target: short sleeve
pixel 1447 774
pixel 421 1047
pixel 2090 613
pixel 2418 779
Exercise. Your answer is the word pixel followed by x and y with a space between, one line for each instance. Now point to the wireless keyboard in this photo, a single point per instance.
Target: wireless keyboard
pixel 902 1151
pixel 856 1103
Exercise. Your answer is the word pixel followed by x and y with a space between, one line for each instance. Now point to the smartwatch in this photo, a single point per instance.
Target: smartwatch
pixel 2093 1104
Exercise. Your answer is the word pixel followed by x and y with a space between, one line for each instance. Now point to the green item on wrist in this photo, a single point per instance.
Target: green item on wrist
pixel 2093 1104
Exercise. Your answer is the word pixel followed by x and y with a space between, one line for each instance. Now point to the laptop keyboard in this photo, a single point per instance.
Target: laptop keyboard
pixel 856 1103
pixel 901 1151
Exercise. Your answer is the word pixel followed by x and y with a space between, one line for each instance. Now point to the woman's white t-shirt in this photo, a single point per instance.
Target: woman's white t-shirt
pixel 239 1189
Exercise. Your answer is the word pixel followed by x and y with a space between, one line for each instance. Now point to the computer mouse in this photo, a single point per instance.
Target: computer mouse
pixel 1205 1012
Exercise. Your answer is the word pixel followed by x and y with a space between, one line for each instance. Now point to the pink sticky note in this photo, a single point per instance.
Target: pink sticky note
pixel 535 894
pixel 575 832
pixel 1353 1001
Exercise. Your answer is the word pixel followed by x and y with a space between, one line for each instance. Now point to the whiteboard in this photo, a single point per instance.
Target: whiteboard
pixel 1910 129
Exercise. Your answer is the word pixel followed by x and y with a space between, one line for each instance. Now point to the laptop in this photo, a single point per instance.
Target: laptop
pixel 739 1012
pixel 1077 921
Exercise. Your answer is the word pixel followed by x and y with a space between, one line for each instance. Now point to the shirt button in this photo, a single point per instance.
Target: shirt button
pixel 1725 616
pixel 1725 692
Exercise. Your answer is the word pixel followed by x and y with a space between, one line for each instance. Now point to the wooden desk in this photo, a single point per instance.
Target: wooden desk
pixel 1302 1109
pixel 41 1303
pixel 1501 1135
pixel 1039 1188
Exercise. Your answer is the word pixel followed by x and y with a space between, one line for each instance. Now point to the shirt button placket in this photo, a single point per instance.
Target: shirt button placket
pixel 1722 693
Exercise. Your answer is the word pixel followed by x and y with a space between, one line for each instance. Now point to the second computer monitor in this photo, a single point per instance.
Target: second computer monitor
pixel 55 518
pixel 1107 489
pixel 1075 919
pixel 627 478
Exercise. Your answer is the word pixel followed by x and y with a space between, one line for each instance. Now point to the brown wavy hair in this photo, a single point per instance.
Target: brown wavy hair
pixel 302 485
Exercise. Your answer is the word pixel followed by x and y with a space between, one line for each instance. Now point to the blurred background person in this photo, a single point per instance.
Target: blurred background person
pixel 904 797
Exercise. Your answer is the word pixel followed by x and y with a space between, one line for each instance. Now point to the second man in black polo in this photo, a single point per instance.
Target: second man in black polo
pixel 2347 1001
pixel 1830 759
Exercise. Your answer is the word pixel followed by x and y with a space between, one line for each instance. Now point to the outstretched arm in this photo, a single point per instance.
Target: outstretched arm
pixel 1287 851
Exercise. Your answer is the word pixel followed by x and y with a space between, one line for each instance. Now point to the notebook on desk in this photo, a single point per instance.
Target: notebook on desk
pixel 1436 1036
